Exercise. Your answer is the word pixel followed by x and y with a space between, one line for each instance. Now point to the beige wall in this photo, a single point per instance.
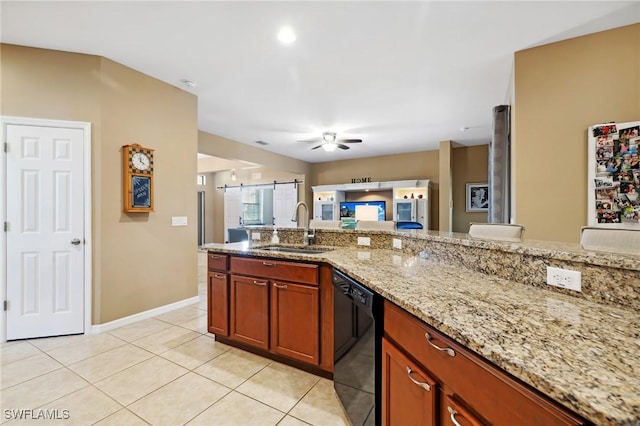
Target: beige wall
pixel 560 90
pixel 416 165
pixel 139 261
pixel 470 165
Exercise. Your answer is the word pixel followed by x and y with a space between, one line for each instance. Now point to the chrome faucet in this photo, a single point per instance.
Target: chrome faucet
pixel 309 235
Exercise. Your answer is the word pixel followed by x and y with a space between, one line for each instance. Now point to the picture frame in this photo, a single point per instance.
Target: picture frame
pixel 477 197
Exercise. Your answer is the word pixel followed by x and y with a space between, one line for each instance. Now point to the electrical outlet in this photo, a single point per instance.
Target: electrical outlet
pixel 364 241
pixel 397 243
pixel 564 278
pixel 255 236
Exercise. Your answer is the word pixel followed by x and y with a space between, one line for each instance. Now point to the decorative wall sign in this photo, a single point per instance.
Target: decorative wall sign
pixel 361 180
pixel 137 179
pixel 477 197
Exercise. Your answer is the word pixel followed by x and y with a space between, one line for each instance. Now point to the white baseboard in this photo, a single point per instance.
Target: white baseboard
pixel 120 322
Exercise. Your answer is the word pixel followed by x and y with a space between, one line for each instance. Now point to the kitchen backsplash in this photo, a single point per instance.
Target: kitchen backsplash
pixel 606 277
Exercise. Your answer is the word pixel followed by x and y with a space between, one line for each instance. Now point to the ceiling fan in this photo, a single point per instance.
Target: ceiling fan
pixel 329 143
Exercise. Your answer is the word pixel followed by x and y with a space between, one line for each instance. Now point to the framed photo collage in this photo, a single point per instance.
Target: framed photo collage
pixel 615 170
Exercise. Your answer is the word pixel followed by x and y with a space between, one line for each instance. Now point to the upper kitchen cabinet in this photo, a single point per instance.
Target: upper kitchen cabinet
pixel 411 202
pixel 326 204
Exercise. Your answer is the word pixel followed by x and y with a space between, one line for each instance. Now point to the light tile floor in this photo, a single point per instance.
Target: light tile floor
pixel 165 370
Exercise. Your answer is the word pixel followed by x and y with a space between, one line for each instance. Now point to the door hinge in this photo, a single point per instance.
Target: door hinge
pixel 6 147
pixel 6 226
pixel 5 305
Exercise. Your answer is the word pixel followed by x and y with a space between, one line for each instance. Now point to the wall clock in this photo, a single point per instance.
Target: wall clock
pixel 137 179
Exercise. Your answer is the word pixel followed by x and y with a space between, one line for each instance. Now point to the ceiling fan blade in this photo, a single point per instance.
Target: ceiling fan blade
pixel 350 140
pixel 341 146
pixel 310 140
pixel 316 147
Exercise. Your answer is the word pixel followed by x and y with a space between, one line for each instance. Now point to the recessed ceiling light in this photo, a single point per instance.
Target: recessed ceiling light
pixel 286 35
pixel 189 83
pixel 464 129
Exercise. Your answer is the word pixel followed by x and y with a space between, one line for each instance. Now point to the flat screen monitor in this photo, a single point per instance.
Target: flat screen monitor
pixel 348 208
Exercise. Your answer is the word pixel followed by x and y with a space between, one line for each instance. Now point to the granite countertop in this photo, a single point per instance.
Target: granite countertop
pixel 583 354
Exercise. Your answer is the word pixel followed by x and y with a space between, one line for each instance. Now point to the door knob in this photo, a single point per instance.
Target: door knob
pixel 75 241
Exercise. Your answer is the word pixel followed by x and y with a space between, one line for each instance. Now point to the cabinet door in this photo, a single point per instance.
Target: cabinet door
pixel 405 211
pixel 249 319
pixel 408 393
pixel 218 303
pixel 295 326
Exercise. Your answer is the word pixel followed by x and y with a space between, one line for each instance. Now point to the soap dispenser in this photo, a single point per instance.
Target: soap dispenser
pixel 274 238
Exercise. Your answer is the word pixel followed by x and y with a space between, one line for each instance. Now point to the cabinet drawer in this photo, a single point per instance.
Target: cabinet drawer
pixel 275 269
pixel 218 262
pixel 497 397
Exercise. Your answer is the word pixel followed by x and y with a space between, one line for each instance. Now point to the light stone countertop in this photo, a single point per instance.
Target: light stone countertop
pixel 583 354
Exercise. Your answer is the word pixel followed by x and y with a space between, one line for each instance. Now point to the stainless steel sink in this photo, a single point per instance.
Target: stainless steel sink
pixel 285 249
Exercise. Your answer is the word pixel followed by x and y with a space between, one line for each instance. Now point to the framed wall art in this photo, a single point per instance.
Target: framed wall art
pixel 614 175
pixel 477 197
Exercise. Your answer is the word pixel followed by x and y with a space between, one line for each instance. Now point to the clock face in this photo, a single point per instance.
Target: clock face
pixel 140 161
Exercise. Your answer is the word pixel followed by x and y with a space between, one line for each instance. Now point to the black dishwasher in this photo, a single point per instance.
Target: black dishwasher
pixel 357 349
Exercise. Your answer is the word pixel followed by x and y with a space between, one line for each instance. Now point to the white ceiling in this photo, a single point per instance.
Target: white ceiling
pixel 402 76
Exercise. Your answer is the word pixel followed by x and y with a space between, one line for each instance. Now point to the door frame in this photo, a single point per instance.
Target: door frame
pixel 88 241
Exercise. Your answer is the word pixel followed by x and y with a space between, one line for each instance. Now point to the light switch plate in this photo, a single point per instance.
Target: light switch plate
pixel 178 221
pixel 255 236
pixel 364 241
pixel 397 243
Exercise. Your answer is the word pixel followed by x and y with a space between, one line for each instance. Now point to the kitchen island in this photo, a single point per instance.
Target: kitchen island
pixel 583 352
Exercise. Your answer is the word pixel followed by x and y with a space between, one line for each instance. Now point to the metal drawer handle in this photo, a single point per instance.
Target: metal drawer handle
pixel 452 414
pixel 421 384
pixel 268 264
pixel 215 257
pixel 260 283
pixel 284 286
pixel 449 351
pixel 218 276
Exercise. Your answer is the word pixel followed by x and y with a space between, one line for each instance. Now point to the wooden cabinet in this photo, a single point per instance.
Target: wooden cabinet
pixel 295 321
pixel 275 306
pixel 472 390
pixel 250 311
pixel 409 394
pixel 218 294
pixel 218 303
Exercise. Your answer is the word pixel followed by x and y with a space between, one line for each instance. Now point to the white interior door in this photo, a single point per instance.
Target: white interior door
pixel 45 231
pixel 285 198
pixel 232 210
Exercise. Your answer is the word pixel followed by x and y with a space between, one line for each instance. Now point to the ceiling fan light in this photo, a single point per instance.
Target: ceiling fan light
pixel 329 137
pixel 329 146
